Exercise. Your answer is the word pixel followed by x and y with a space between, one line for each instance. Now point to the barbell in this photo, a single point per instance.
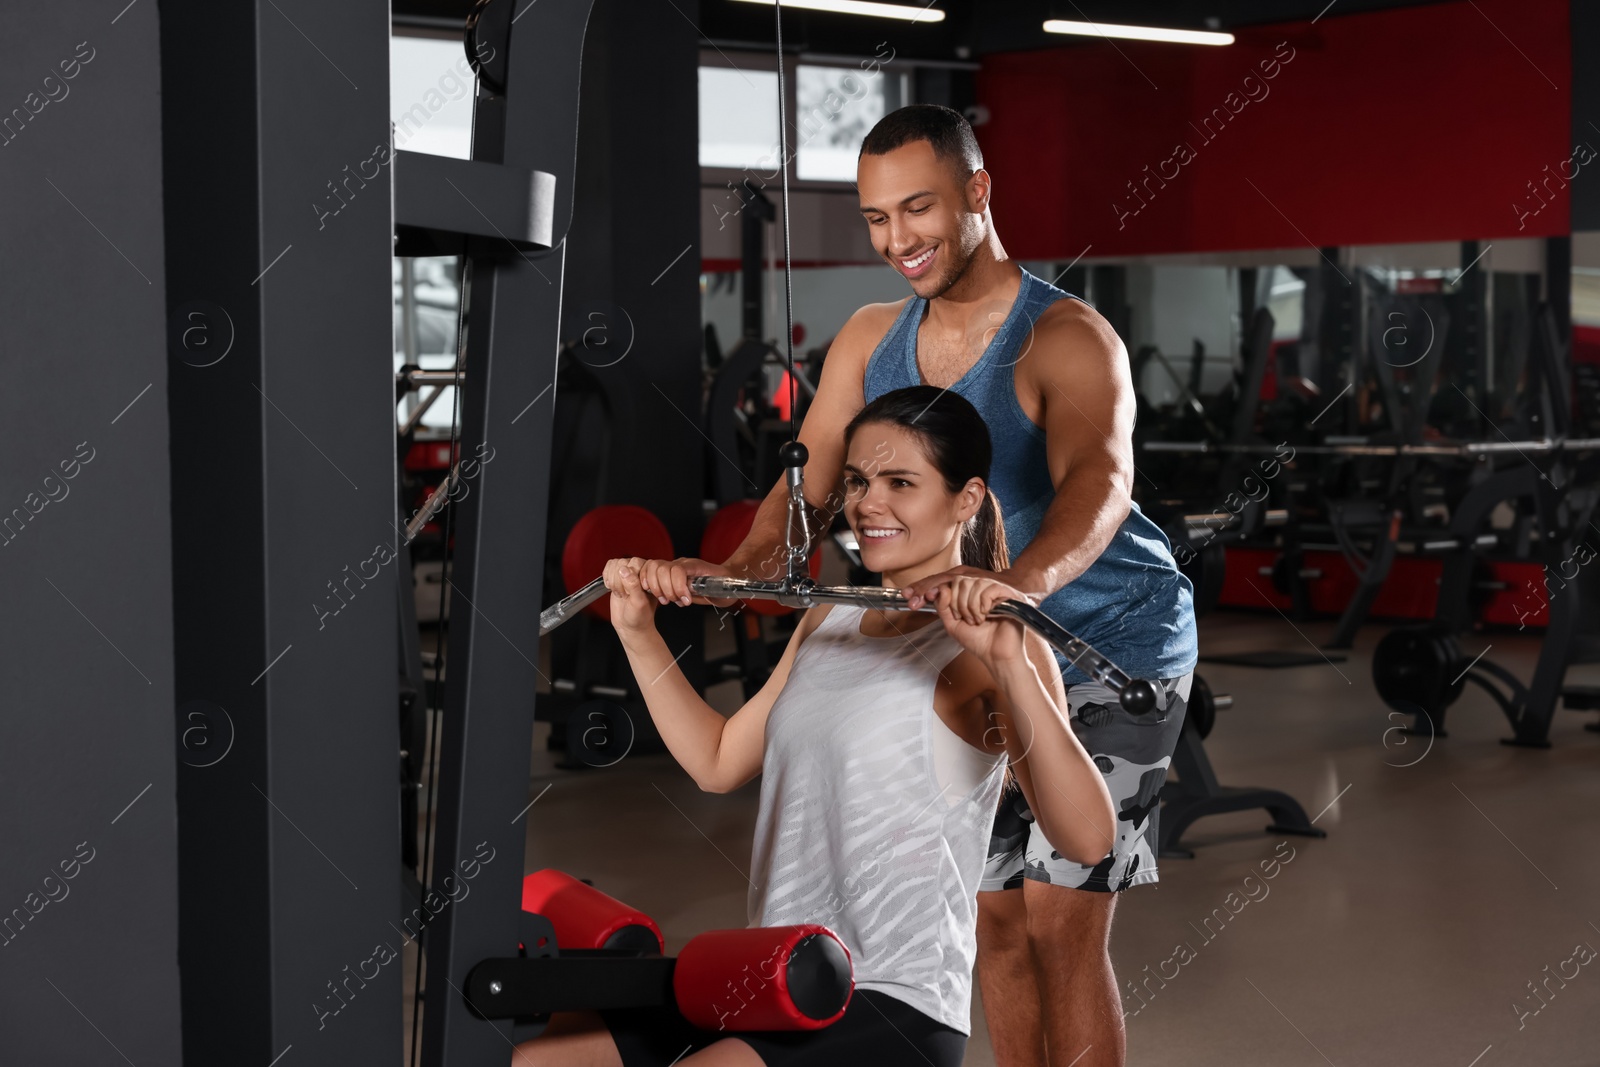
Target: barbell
pixel 1138 697
pixel 1359 447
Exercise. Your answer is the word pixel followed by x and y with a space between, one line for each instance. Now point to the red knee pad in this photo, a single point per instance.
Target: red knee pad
pixel 584 917
pixel 764 978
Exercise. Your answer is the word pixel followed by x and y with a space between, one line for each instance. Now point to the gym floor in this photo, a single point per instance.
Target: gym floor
pixel 1447 883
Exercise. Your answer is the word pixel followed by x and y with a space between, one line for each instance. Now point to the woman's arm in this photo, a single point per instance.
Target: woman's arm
pixel 1025 709
pixel 1064 788
pixel 720 754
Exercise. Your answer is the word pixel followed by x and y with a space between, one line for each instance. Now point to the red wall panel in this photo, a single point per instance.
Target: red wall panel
pixel 1411 591
pixel 1425 123
pixel 1586 344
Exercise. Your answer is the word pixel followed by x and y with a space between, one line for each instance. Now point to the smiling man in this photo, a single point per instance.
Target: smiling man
pixel 1051 379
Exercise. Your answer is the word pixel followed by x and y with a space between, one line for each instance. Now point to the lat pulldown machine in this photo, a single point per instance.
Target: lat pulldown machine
pixel 469 945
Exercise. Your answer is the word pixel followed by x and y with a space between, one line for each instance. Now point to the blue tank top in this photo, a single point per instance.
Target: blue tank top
pixel 1132 604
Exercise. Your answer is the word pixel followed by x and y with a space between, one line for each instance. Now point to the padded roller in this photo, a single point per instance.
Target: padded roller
pixel 584 917
pixel 764 978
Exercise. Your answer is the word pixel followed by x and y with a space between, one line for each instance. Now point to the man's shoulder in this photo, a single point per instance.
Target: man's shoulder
pixel 866 329
pixel 1068 312
pixel 1071 326
pixel 876 319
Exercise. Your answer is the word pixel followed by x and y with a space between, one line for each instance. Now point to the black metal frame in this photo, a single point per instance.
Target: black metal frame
pixel 1562 499
pixel 511 312
pixel 1196 794
pixel 283 481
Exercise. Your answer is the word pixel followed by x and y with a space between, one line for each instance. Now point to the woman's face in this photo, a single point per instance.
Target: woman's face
pixel 897 503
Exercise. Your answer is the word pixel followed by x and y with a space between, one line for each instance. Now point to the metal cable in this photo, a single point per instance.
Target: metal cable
pixel 788 276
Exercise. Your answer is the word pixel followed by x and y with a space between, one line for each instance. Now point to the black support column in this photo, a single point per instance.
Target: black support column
pixel 278 225
pixel 1585 190
pixel 634 268
pixel 88 753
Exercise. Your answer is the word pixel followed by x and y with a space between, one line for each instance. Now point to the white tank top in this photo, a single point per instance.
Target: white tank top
pixel 860 830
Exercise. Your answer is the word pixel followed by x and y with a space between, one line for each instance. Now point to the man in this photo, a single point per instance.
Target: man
pixel 1051 379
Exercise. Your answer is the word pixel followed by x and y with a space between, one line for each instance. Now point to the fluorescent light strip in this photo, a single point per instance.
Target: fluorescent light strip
pixel 862 7
pixel 1137 33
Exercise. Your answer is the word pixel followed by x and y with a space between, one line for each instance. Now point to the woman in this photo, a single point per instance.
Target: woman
pixel 883 740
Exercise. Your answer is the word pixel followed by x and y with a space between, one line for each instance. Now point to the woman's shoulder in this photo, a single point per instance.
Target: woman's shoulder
pixel 812 620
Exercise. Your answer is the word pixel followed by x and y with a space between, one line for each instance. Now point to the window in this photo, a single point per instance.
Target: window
pixel 738 118
pixel 431 86
pixel 835 107
pixel 830 110
pixel 431 89
pixel 426 303
pixel 1586 296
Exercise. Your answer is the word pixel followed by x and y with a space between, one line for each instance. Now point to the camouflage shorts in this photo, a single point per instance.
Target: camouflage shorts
pixel 1133 753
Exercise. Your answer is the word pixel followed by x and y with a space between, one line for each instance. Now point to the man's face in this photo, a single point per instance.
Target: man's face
pixel 920 217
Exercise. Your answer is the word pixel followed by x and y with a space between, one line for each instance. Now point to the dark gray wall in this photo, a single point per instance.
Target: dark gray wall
pixel 88 964
pixel 279 232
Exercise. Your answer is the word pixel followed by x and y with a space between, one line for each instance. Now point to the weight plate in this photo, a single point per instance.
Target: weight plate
pixel 1202 706
pixel 1418 666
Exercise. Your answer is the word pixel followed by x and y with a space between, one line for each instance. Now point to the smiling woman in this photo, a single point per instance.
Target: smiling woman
pixel 883 741
pixel 887 525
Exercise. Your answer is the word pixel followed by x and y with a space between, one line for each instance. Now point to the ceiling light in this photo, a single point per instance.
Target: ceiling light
pixel 1136 33
pixel 863 7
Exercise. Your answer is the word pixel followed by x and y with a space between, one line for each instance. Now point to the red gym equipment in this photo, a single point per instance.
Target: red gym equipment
pixel 610 532
pixel 583 950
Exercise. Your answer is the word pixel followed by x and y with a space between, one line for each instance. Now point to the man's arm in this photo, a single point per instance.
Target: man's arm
pixel 839 397
pixel 1089 411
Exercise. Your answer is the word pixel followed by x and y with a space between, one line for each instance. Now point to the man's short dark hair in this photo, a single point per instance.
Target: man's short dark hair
pixel 947 131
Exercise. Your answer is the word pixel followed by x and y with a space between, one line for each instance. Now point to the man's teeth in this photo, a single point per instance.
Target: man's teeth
pixel 913 264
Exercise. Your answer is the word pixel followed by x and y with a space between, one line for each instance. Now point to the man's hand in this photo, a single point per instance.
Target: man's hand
pixel 921 592
pixel 668 580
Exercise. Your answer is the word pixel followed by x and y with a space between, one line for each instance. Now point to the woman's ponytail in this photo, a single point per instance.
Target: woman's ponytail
pixel 983 540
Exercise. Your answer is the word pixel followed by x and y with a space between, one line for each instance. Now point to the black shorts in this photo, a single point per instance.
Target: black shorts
pixel 875 1029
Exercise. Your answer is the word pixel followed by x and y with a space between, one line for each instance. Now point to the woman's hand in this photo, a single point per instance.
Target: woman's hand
pixel 668 579
pixel 633 609
pixel 964 602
